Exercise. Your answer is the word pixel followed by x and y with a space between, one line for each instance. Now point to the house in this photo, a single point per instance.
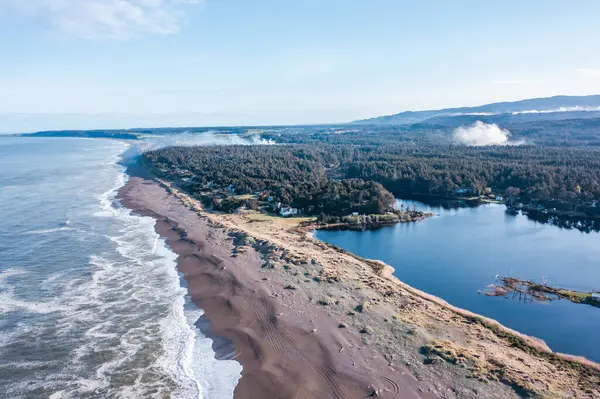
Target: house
pixel 594 204
pixel 596 296
pixel 354 213
pixel 270 198
pixel 499 198
pixel 287 211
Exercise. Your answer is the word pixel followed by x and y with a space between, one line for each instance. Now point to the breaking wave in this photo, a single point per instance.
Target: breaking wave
pixel 112 319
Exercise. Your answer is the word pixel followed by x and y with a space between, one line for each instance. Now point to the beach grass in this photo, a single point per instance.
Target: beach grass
pixel 286 222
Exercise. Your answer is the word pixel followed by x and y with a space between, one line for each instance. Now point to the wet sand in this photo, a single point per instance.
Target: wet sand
pixel 289 347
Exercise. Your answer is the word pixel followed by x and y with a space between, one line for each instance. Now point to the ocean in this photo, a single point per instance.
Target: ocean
pixel 91 303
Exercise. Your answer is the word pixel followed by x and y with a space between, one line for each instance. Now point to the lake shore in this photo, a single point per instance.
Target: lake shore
pixel 288 348
pixel 310 320
pixel 369 224
pixel 561 218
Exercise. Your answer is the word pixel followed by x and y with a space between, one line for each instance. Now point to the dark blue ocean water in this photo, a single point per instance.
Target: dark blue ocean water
pixel 459 252
pixel 91 304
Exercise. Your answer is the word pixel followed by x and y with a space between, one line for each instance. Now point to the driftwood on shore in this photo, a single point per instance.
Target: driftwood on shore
pixel 531 291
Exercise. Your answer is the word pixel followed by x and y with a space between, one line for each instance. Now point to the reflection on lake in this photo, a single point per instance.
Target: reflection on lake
pixel 458 253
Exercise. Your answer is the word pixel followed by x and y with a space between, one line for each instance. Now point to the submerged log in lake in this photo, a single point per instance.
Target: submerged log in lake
pixel 529 291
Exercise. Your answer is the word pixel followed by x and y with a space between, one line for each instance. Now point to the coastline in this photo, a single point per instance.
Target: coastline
pixel 281 356
pixel 403 333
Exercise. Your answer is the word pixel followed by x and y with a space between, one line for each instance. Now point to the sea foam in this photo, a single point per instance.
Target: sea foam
pixel 187 355
pixel 119 310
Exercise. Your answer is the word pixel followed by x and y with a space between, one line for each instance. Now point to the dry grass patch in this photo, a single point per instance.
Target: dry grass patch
pixel 284 222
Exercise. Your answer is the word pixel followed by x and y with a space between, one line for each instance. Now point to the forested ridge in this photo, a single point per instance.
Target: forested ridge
pixel 559 170
pixel 562 178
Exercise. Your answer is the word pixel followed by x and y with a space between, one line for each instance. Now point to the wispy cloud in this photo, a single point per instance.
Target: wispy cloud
pixel 560 109
pixel 104 19
pixel 590 73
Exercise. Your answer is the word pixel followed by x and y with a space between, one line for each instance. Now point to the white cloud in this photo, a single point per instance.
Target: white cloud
pixel 481 134
pixel 589 73
pixel 104 19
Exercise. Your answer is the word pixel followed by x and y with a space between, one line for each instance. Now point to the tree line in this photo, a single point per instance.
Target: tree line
pixel 294 176
pixel 336 171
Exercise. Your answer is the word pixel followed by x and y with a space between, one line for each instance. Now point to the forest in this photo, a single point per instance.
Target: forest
pixel 337 171
pixel 294 176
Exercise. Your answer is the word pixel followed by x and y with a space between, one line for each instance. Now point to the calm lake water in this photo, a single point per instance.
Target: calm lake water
pixel 459 252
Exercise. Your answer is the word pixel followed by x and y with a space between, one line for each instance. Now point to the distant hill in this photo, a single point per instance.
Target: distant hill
pixel 550 108
pixel 109 134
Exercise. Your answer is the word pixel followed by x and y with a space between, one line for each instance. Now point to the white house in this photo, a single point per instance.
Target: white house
pixel 287 211
pixel 596 296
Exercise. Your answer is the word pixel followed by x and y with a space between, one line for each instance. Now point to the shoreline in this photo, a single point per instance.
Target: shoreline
pixel 426 339
pixel 345 226
pixel 564 219
pixel 279 359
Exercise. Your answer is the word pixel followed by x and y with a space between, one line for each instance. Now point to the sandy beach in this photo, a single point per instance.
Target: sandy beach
pixel 307 320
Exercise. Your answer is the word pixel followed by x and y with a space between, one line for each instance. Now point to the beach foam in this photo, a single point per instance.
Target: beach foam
pixel 101 311
pixel 186 356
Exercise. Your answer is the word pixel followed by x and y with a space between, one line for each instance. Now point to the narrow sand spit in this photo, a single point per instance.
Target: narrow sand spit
pixel 311 321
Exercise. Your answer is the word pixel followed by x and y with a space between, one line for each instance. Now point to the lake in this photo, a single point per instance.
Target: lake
pixel 459 252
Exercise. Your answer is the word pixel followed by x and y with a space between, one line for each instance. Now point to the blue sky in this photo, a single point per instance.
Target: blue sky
pixel 131 63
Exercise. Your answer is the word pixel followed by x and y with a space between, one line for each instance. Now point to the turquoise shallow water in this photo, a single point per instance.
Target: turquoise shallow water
pixel 91 304
pixel 459 253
